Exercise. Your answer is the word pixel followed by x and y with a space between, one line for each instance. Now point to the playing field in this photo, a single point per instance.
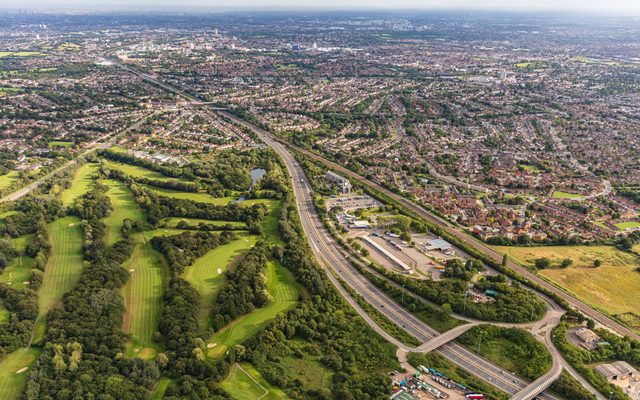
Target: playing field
pixel 271 222
pixel 140 172
pixel 82 182
pixel 199 197
pixel 627 225
pixel 246 383
pixel 4 54
pixel 565 195
pixel 59 143
pixel 65 263
pixel 282 287
pixel 8 179
pixel 124 206
pixel 18 272
pixel 143 297
pixel 612 287
pixel 14 371
pixel 207 273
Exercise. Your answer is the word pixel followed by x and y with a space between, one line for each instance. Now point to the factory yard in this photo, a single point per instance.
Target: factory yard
pixel 397 255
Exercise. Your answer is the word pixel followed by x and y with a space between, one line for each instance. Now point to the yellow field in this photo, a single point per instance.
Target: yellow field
pixel 612 287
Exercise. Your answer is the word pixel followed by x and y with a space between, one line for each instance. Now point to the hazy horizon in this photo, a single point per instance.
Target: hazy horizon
pixel 615 6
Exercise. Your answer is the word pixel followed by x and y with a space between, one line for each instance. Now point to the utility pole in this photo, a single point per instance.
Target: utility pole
pixel 480 341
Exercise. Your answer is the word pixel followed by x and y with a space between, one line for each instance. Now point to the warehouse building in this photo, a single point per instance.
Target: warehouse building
pixel 619 370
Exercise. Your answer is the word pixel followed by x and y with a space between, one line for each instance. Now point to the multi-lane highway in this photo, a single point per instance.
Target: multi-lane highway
pixel 460 235
pixel 339 269
pixel 428 216
pixel 335 261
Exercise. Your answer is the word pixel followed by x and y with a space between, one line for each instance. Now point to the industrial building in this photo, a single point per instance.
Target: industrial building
pixel 619 370
pixel 438 244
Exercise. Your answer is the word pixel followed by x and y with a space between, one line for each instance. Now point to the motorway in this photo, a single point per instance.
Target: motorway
pixel 336 262
pixel 463 236
pixel 428 216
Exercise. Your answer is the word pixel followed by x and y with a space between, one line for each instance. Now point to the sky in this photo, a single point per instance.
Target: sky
pixel 631 6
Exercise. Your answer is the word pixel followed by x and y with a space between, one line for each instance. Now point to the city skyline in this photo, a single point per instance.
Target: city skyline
pixel 503 5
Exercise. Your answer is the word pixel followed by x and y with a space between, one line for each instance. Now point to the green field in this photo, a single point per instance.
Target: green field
pixel 18 272
pixel 65 263
pixel 20 54
pixel 124 206
pixel 7 214
pixel 206 274
pixel 59 143
pixel 140 172
pixel 271 222
pixel 8 180
pixel 612 287
pixel 199 197
pixel 246 383
pixel 529 168
pixel 172 222
pixel 12 382
pixel 82 182
pixel 282 287
pixel 565 195
pixel 627 225
pixel 532 64
pixel 143 298
pixel 287 67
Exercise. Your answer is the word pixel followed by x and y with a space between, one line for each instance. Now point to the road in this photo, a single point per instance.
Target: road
pixel 428 216
pixel 333 259
pixel 460 235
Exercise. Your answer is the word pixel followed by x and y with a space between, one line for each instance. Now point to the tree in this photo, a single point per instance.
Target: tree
pixel 597 263
pixel 542 263
pixel 505 259
pixel 591 323
pixel 566 263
